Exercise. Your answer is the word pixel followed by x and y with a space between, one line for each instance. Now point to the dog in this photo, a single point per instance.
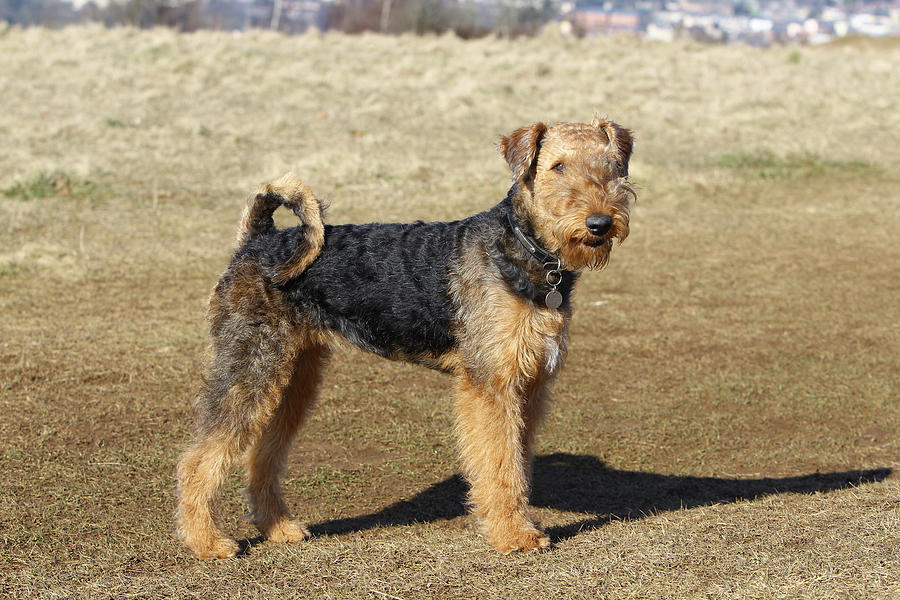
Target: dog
pixel 486 299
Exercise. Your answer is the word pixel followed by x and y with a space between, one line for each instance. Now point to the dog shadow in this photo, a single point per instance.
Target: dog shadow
pixel 584 484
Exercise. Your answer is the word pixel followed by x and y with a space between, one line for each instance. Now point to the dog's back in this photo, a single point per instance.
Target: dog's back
pixel 384 287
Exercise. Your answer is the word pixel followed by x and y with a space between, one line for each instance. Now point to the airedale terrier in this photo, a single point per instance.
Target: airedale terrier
pixel 486 299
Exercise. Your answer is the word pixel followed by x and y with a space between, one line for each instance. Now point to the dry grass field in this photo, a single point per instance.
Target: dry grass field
pixel 727 423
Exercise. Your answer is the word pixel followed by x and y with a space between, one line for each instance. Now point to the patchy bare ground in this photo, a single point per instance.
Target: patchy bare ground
pixel 726 426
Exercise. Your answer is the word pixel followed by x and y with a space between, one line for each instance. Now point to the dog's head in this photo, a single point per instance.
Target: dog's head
pixel 574 188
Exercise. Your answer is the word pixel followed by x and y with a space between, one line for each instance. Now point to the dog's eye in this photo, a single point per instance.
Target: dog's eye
pixel 559 167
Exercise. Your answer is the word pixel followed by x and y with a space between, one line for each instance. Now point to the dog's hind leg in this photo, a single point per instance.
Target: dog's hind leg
pixel 265 459
pixel 201 472
pixel 252 367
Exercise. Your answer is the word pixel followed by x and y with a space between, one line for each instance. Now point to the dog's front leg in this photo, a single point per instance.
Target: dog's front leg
pixel 493 435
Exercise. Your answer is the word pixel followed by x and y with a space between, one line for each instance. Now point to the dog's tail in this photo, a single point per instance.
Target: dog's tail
pixel 291 193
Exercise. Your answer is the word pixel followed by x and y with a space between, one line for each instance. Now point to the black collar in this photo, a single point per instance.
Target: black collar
pixel 547 259
pixel 556 288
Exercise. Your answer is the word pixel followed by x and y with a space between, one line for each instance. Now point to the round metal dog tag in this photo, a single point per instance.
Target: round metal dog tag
pixel 553 299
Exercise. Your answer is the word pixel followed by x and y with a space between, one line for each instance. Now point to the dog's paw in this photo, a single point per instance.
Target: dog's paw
pixel 286 531
pixel 526 540
pixel 215 548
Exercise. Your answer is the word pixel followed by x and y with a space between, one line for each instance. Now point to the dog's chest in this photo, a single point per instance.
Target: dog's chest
pixel 549 332
pixel 555 346
pixel 554 351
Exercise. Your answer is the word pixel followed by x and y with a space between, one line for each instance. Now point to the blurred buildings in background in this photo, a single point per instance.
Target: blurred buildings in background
pixel 755 22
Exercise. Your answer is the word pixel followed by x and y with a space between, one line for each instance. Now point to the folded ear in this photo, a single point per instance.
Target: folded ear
pixel 621 143
pixel 520 149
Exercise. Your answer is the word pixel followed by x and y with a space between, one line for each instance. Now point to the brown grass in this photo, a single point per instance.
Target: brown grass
pixel 726 426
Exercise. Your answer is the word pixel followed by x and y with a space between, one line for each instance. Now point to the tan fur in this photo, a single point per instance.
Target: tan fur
pixel 265 459
pixel 291 192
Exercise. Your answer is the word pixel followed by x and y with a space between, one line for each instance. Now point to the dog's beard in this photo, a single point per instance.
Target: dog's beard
pixel 567 235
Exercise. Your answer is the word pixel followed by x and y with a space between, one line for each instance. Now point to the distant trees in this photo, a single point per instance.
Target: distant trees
pixel 184 15
pixel 467 19
pixel 37 12
pixel 398 16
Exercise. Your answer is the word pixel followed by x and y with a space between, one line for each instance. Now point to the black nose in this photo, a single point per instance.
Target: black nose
pixel 598 224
